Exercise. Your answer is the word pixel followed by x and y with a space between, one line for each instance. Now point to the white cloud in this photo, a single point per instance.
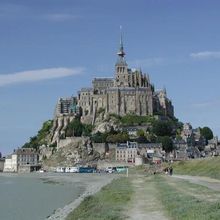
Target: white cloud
pixel 206 55
pixel 155 61
pixel 38 75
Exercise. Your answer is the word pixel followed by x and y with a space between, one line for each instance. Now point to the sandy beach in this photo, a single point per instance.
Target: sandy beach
pixel 94 182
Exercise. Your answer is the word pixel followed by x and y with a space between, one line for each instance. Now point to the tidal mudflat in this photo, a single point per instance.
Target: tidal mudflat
pixel 45 195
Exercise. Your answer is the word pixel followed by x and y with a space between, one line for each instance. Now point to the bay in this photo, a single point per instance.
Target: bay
pixel 36 196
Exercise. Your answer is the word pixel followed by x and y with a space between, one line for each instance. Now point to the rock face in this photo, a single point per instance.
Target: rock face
pixel 59 125
pixel 78 151
pixel 45 152
pixel 105 123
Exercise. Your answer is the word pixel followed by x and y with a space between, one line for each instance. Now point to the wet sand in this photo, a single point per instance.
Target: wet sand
pixel 93 182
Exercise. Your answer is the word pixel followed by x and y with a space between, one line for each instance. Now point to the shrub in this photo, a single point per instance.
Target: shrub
pixel 207 133
pixel 162 128
pixel 131 119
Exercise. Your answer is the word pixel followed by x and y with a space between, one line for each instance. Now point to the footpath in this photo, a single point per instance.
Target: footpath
pixel 144 204
pixel 210 183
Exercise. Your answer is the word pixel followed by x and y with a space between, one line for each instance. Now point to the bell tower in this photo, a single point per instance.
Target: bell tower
pixel 121 67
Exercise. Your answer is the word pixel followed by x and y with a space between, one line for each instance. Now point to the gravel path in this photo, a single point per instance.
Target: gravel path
pixel 213 184
pixel 144 204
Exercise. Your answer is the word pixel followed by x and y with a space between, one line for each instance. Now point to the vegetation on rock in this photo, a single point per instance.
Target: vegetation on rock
pixel 110 137
pixel 132 119
pixel 41 137
pixel 154 130
pixel 120 137
pixel 77 128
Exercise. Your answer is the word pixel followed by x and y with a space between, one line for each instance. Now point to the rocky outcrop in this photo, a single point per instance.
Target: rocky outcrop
pixel 59 126
pixel 105 123
pixel 78 151
pixel 45 152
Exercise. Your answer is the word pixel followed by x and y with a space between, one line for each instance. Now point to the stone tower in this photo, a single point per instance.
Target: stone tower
pixel 121 68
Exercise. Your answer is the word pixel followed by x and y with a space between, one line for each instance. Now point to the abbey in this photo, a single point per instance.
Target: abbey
pixel 128 92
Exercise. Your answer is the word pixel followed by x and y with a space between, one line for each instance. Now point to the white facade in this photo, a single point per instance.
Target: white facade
pixel 126 152
pixel 11 164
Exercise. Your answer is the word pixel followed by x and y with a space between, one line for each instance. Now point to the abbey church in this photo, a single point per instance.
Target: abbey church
pixel 128 92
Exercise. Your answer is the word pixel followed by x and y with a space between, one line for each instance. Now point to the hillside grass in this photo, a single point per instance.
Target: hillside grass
pixel 107 204
pixel 131 120
pixel 209 167
pixel 185 201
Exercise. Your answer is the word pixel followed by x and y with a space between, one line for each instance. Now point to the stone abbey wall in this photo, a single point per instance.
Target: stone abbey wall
pixel 129 92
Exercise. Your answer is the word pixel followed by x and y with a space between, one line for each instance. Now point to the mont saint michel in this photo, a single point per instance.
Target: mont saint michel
pixel 128 92
pixel 109 110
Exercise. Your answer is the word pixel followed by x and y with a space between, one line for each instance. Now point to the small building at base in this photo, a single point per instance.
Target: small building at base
pixel 126 152
pixel 10 164
pixel 22 160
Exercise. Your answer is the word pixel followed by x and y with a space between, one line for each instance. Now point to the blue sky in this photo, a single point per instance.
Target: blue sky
pixel 52 48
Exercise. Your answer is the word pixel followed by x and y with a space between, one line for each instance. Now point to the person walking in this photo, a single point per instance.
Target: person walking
pixel 171 171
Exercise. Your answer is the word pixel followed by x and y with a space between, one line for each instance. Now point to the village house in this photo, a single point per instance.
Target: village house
pixel 126 152
pixel 131 151
pixel 11 164
pixel 22 160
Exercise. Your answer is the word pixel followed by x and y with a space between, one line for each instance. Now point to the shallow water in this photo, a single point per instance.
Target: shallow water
pixel 34 196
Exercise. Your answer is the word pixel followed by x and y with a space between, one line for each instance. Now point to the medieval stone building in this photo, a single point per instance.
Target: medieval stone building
pixel 128 92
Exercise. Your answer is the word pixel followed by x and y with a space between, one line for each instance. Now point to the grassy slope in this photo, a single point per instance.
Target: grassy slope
pixel 203 167
pixel 107 204
pixel 181 199
pixel 186 201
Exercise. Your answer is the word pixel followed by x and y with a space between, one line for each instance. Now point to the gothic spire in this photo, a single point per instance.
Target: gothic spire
pixel 121 52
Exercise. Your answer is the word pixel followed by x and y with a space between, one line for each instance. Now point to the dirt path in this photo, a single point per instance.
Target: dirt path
pixel 192 188
pixel 210 183
pixel 144 204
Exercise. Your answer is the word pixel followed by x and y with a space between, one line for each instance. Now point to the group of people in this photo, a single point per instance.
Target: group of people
pixel 169 170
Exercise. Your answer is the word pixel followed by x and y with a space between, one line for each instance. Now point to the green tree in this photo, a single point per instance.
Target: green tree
pixel 99 137
pixel 45 130
pixel 140 133
pixel 132 119
pixel 120 137
pixel 87 129
pixel 75 127
pixel 41 136
pixel 162 128
pixel 207 133
pixel 167 143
